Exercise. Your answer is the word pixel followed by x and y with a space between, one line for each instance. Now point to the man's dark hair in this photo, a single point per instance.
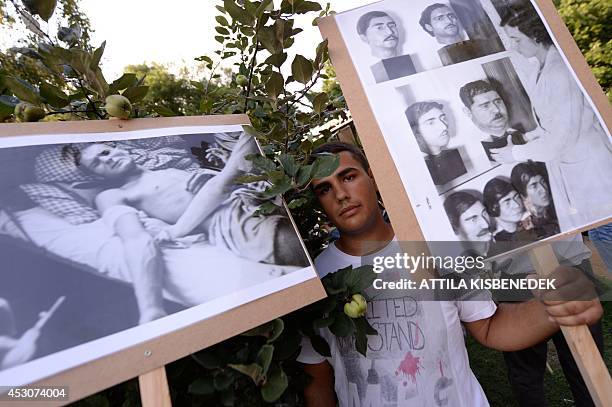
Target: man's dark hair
pixel 526 20
pixel 337 147
pixel 473 89
pixel 523 172
pixel 72 154
pixel 457 203
pixel 426 16
pixel 414 113
pixel 364 21
pixel 493 191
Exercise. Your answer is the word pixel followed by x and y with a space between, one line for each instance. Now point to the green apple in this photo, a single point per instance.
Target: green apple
pixel 361 301
pixel 33 114
pixel 44 8
pixel 19 109
pixel 357 307
pixel 242 80
pixel 118 106
pixel 26 112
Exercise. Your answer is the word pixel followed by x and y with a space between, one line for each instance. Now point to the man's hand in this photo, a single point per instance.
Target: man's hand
pixel 243 147
pixel 573 301
pixel 504 155
pixel 23 349
pixel 217 154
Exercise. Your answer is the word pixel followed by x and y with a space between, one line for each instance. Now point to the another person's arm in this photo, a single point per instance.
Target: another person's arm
pixel 320 391
pixel 142 255
pixel 559 122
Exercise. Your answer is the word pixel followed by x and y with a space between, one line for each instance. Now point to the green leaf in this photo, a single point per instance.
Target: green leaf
pixel 265 4
pixel 136 93
pixel 247 179
pixel 364 276
pixel 320 345
pixel 275 85
pixel 320 102
pixel 324 166
pixel 223 381
pixel 275 386
pixel 53 95
pixel 125 81
pixel 303 175
pixel 164 111
pixel 289 165
pixel 281 186
pixel 321 54
pixel 238 13
pixel 301 69
pixel 208 359
pixel 97 56
pixel 22 90
pixel 7 106
pixel 303 7
pixel 264 358
pixel 253 370
pixel 278 327
pixel 297 203
pixel 262 163
pixel 323 322
pixel 222 20
pixel 276 60
pixel 222 30
pixel 202 386
pixel 361 342
pixel 343 325
pixel 261 330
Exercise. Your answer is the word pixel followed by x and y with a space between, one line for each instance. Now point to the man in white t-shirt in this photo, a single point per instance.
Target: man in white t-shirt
pixel 419 356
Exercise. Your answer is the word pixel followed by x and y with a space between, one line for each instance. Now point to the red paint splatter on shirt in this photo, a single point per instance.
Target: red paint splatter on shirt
pixel 410 366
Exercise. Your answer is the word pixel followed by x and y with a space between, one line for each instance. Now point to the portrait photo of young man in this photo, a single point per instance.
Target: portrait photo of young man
pixel 382 34
pixel 430 126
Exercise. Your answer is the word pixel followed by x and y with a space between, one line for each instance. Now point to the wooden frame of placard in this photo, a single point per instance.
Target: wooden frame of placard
pixel 398 204
pixel 146 360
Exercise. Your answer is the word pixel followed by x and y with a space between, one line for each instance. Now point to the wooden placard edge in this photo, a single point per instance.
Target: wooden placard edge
pixel 100 374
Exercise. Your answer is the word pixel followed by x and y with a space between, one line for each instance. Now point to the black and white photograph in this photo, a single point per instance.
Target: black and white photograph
pixel 473 132
pixel 508 207
pixel 459 116
pixel 105 233
pixel 393 41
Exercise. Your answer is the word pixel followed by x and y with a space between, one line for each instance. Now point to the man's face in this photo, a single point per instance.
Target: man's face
pixel 106 161
pixel 537 191
pixel 489 113
pixel 474 224
pixel 511 208
pixel 348 196
pixel 433 127
pixel 444 23
pixel 382 33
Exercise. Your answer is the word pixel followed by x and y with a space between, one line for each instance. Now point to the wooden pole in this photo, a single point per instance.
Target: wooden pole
pixel 585 352
pixel 154 391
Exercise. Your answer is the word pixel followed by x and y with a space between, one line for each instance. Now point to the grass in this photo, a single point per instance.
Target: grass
pixel 489 367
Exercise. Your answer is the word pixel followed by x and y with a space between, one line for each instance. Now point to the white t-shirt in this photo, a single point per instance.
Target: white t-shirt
pixel 419 357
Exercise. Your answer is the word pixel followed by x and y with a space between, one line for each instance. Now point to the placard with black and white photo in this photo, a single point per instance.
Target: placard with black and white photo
pixel 104 234
pixel 392 41
pixel 512 128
